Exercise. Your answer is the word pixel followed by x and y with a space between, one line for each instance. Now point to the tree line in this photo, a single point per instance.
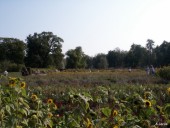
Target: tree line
pixel 44 50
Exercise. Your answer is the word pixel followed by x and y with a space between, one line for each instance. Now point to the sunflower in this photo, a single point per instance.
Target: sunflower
pixel 115 113
pixel 50 101
pixel 18 126
pixel 55 107
pixel 23 84
pixel 88 123
pixel 12 82
pixel 50 115
pixel 168 91
pixel 115 126
pixel 34 97
pixel 147 95
pixel 148 103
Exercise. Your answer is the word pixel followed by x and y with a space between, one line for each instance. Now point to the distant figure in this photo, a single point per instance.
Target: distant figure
pixel 147 70
pixel 152 70
pixel 24 71
pixel 130 69
pixel 5 73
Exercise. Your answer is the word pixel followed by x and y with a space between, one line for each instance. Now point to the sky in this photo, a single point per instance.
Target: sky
pixel 98 26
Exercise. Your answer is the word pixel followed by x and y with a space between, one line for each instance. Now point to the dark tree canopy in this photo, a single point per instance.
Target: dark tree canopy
pixel 44 50
pixel 116 58
pixel 75 58
pixel 100 61
pixel 12 50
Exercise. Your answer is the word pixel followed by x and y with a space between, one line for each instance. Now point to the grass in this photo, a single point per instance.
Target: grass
pixel 58 82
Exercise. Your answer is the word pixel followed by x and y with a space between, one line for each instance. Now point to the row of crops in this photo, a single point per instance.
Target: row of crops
pixel 133 106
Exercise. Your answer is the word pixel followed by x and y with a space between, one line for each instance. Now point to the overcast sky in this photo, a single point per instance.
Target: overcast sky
pixel 96 25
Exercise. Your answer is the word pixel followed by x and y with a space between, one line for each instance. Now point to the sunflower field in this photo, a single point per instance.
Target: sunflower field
pixel 105 101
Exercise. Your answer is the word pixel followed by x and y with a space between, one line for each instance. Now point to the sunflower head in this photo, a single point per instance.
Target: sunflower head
pixel 23 84
pixel 115 126
pixel 147 103
pixel 168 91
pixel 12 82
pixel 147 95
pixel 50 115
pixel 50 101
pixel 88 123
pixel 55 107
pixel 115 113
pixel 34 97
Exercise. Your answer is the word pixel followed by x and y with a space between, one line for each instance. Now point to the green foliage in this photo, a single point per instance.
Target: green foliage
pixel 100 61
pixel 44 50
pixel 164 72
pixel 9 66
pixel 12 50
pixel 130 105
pixel 162 54
pixel 75 58
pixel 116 58
pixel 18 108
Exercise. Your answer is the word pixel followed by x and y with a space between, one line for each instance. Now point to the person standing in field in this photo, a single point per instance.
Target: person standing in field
pixel 129 69
pixel 152 70
pixel 5 73
pixel 147 70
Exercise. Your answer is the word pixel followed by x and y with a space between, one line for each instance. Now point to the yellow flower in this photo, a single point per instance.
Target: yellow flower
pixel 148 103
pixel 121 121
pixel 115 113
pixel 34 97
pixel 23 85
pixel 115 126
pixel 168 91
pixel 18 126
pixel 88 123
pixel 55 107
pixel 147 95
pixel 12 82
pixel 50 101
pixel 50 115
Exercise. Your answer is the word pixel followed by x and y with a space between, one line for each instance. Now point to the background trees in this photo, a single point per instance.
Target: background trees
pixel 136 57
pixel 116 58
pixel 75 58
pixel 12 50
pixel 163 54
pixel 12 53
pixel 100 61
pixel 44 50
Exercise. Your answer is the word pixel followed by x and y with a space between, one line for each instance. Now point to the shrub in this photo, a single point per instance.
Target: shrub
pixel 164 73
pixel 9 66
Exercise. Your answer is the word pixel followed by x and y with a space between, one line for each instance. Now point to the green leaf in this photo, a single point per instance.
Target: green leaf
pixel 167 108
pixel 8 109
pixel 24 112
pixel 106 111
pixel 25 122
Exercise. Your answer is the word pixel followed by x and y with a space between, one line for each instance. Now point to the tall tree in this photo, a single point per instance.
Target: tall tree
pixel 136 56
pixel 116 58
pixel 89 61
pixel 149 47
pixel 12 50
pixel 100 61
pixel 163 54
pixel 44 50
pixel 75 58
